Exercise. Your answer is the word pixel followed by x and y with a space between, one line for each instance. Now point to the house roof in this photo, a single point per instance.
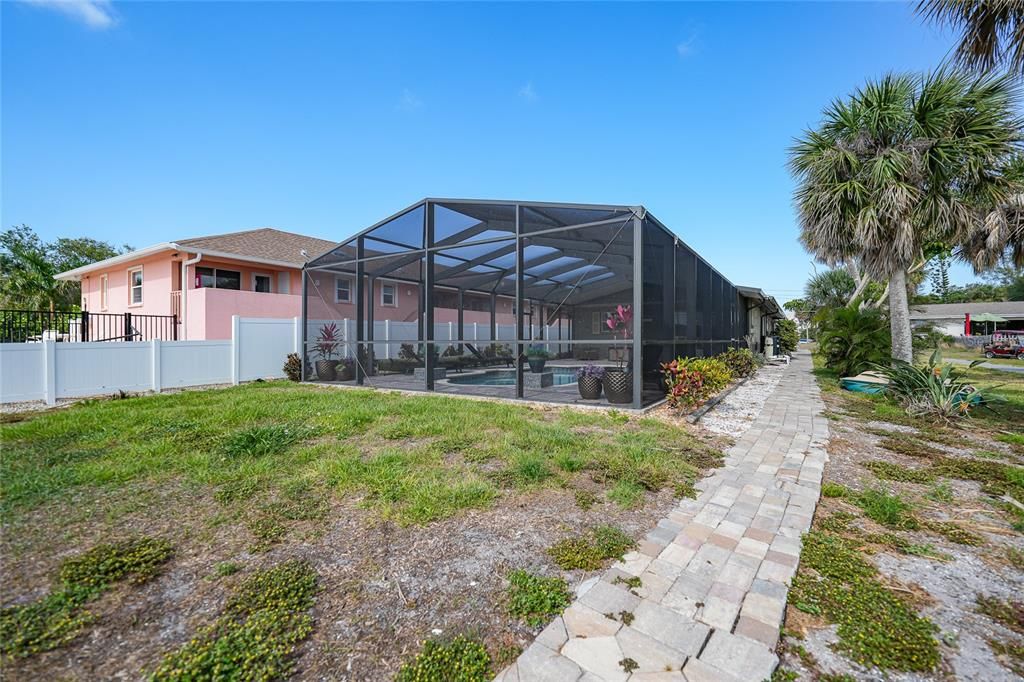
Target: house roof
pixel 771 305
pixel 943 311
pixel 263 245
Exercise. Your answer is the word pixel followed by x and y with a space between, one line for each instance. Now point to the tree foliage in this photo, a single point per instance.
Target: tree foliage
pixel 829 289
pixel 28 266
pixel 907 162
pixel 991 31
pixel 788 336
pixel 853 340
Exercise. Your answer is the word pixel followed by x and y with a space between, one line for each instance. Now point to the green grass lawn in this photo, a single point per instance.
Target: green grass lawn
pixel 976 354
pixel 414 459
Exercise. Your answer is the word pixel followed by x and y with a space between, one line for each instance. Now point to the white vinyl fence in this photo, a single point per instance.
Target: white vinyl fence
pixel 48 370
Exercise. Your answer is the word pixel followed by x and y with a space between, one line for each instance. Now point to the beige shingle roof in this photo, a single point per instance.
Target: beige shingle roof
pixel 265 243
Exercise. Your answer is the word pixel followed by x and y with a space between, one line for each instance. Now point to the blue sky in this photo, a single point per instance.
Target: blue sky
pixel 140 122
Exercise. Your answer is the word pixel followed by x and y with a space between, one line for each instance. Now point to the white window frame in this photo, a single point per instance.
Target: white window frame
pixel 131 287
pixel 270 281
pixel 342 300
pixel 394 295
pixel 104 291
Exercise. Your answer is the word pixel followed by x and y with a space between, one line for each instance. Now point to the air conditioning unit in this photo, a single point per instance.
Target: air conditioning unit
pixel 769 347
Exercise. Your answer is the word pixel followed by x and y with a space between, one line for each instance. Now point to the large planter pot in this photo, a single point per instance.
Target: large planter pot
pixel 537 364
pixel 590 387
pixel 325 370
pixel 618 386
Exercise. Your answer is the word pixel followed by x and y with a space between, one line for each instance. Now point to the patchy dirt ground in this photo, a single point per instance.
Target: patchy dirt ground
pixel 384 588
pixel 942 579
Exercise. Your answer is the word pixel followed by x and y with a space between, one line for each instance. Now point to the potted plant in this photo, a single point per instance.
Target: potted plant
pixel 618 381
pixel 588 380
pixel 326 345
pixel 537 357
pixel 346 370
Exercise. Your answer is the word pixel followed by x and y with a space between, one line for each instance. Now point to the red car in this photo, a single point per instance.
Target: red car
pixel 998 350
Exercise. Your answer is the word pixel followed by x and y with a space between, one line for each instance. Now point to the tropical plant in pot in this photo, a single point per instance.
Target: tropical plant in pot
pixel 537 357
pixel 326 346
pixel 588 380
pixel 618 381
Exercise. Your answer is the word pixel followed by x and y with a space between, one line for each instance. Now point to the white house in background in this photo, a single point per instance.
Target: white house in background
pixel 954 319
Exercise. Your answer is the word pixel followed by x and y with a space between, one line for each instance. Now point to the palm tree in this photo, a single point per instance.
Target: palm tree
pixel 992 31
pixel 830 289
pixel 903 163
pixel 31 281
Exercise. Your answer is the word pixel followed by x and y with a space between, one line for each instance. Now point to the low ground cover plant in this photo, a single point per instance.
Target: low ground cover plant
pixel 534 598
pixel 256 635
pixel 61 616
pixel 876 627
pixel 462 659
pixel 590 550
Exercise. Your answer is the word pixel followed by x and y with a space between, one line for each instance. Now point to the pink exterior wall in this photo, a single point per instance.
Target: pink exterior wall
pixel 156 287
pixel 323 307
pixel 209 310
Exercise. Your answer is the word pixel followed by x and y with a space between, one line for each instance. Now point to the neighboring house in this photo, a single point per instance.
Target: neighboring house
pixel 254 273
pixel 954 319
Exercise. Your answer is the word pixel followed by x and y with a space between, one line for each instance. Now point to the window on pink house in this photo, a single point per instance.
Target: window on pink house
pixel 135 286
pixel 387 295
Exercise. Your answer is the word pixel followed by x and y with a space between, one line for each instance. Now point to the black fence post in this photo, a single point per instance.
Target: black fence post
pixel 84 326
pixel 127 326
pixel 174 326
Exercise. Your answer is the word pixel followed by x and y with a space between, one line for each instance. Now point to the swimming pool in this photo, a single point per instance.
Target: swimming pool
pixel 507 377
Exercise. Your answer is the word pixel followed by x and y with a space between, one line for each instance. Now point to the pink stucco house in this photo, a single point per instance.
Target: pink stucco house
pixel 204 280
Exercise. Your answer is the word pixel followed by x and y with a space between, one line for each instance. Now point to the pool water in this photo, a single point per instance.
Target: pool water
pixel 507 377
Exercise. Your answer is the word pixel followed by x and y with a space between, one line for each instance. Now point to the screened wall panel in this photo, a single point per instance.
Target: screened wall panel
pixel 511 300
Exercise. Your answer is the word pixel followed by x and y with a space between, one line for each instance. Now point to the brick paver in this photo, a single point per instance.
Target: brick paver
pixel 715 572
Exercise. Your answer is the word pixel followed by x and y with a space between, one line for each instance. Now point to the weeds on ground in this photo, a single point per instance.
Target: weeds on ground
pixel 876 627
pixel 954 532
pixel 1015 557
pixel 589 551
pixel 259 441
pixel 1005 612
pixel 585 499
pixel 60 616
pixel 941 492
pixel 461 659
pixel 1009 654
pixel 890 471
pixel 257 633
pixel 886 509
pixel 534 598
pixel 831 489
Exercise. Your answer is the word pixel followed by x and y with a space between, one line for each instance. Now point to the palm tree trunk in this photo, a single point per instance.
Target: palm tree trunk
pixel 899 318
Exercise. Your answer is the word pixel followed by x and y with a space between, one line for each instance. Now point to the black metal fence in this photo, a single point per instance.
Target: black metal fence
pixel 22 326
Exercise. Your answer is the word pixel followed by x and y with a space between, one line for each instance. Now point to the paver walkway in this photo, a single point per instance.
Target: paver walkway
pixel 714 573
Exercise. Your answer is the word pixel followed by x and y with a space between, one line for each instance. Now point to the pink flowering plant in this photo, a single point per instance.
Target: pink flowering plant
pixel 620 321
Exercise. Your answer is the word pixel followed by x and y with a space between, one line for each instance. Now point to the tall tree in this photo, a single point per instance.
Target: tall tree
pixel 28 266
pixel 903 163
pixel 991 31
pixel 830 289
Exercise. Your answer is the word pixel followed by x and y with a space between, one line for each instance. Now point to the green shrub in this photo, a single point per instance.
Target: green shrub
pixel 788 336
pixel 254 638
pixel 693 380
pixel 852 340
pixel 459 660
pixel 293 367
pixel 933 390
pixel 740 361
pixel 535 599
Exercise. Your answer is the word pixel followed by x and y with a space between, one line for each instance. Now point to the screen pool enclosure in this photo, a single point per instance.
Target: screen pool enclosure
pixel 515 300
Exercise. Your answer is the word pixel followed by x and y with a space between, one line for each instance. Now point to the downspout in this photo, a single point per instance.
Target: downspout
pixel 184 292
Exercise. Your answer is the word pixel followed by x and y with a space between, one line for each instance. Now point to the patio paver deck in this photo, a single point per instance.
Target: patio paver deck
pixel 715 573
